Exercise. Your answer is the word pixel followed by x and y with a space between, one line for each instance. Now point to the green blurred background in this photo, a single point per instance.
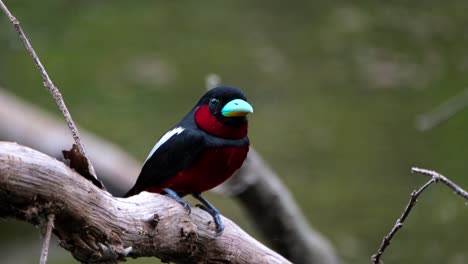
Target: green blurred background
pixel 336 86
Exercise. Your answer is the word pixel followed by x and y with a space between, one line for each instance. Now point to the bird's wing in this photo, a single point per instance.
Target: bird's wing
pixel 174 152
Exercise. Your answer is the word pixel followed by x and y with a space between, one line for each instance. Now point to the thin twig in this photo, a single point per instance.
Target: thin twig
pixel 53 90
pixel 399 223
pixel 48 234
pixel 435 177
pixel 442 112
pixel 439 177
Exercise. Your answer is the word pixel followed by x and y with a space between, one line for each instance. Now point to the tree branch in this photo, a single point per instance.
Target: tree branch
pixel 97 227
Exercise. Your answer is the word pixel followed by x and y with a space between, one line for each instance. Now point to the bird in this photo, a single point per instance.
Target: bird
pixel 200 152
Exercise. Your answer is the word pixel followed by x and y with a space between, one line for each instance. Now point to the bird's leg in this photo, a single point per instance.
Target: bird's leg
pixel 207 206
pixel 176 197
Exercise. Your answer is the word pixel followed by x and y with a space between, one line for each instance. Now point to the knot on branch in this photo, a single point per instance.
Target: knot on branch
pixel 189 233
pixel 35 210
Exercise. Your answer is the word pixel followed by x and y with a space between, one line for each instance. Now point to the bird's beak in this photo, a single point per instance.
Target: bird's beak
pixel 236 107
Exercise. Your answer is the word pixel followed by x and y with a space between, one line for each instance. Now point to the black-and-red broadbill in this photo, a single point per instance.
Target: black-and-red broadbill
pixel 201 151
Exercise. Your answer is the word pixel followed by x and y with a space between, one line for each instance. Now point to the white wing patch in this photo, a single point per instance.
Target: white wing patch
pixel 164 138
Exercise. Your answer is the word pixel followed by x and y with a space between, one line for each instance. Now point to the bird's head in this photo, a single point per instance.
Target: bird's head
pixel 223 110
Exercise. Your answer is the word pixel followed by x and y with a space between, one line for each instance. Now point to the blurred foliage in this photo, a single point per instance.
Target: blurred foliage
pixel 336 87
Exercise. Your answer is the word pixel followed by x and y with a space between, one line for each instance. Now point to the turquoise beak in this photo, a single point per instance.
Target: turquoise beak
pixel 236 107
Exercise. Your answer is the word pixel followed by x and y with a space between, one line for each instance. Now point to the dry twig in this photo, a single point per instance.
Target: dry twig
pixel 47 236
pixel 53 90
pixel 442 112
pixel 435 177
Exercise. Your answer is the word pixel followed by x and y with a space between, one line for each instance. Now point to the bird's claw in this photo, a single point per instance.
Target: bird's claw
pixel 176 197
pixel 219 224
pixel 187 206
pixel 206 206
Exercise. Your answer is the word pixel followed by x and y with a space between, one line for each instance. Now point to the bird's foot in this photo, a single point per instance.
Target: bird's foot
pixel 208 207
pixel 176 197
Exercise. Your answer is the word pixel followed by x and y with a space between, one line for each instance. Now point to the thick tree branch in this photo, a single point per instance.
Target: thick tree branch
pixel 288 230
pixel 97 227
